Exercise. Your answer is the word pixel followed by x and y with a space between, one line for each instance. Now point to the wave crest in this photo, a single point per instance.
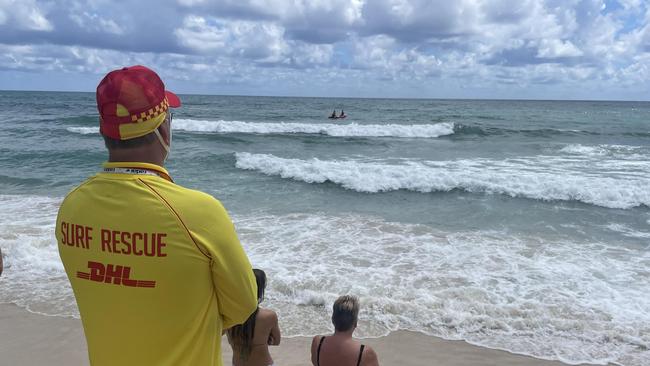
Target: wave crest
pixel 330 129
pixel 540 177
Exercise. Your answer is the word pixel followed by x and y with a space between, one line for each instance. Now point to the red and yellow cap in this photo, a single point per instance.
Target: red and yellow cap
pixel 132 102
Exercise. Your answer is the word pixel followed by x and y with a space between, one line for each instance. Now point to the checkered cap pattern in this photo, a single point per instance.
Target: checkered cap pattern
pixel 151 113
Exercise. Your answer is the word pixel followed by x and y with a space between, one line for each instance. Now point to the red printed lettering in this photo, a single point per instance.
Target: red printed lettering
pixel 88 231
pixel 138 244
pixel 161 245
pixel 115 240
pixel 113 274
pixel 64 234
pixel 79 235
pixel 125 237
pixel 135 251
pixel 97 271
pixel 127 281
pixel 74 235
pixel 106 240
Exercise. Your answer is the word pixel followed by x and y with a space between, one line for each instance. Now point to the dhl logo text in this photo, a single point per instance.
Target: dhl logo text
pixel 115 274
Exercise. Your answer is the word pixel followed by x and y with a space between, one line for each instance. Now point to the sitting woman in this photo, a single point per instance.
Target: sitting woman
pixel 250 341
pixel 340 348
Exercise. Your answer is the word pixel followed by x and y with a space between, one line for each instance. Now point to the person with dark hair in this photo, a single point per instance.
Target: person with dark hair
pixel 340 348
pixel 333 115
pixel 250 341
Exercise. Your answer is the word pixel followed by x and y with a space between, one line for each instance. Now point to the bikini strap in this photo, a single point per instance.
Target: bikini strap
pixel 318 353
pixel 360 353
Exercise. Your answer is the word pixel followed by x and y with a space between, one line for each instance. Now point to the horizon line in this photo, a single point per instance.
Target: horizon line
pixel 349 97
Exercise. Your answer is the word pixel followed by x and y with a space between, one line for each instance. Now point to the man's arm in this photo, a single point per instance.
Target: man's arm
pixel 232 274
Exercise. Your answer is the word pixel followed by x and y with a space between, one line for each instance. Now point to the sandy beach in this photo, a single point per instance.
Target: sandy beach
pixel 32 339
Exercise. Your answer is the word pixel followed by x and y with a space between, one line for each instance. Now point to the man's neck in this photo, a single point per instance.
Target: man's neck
pixel 134 156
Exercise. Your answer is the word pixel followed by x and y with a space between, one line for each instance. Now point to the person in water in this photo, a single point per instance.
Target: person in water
pixel 333 114
pixel 250 341
pixel 340 348
pixel 342 115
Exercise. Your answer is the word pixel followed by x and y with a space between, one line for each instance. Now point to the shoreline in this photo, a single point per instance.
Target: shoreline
pixel 27 338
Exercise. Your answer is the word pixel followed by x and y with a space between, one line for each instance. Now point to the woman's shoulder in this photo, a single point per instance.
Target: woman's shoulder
pixel 315 341
pixel 369 357
pixel 269 314
pixel 267 317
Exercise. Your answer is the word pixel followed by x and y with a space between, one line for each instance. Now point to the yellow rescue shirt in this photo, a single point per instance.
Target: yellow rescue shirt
pixel 157 269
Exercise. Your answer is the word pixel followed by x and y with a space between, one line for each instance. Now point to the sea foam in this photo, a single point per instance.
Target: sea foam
pixel 606 150
pixel 550 298
pixel 329 129
pixel 83 130
pixel 607 183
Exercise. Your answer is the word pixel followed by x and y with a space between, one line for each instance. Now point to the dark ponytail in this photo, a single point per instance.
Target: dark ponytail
pixel 241 336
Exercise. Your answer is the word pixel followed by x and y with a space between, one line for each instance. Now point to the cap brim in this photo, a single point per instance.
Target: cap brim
pixel 173 99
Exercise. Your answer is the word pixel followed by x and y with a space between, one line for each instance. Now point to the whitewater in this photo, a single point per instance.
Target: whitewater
pixel 540 177
pixel 329 129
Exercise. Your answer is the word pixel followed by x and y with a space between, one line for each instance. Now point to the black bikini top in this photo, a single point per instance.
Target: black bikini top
pixel 321 343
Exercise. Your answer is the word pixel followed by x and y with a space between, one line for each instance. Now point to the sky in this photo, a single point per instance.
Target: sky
pixel 501 49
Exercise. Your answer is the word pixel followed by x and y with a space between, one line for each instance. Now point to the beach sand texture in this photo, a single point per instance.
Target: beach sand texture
pixel 32 339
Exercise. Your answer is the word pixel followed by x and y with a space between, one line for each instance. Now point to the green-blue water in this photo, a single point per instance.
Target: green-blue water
pixel 522 225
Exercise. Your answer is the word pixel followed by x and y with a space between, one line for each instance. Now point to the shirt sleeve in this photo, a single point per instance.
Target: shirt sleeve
pixel 232 274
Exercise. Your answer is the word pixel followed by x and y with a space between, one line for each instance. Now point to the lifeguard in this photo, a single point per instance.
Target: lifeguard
pixel 154 266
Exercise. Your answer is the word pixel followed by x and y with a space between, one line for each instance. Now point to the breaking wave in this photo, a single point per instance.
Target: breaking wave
pixel 83 130
pixel 606 183
pixel 335 130
pixel 329 129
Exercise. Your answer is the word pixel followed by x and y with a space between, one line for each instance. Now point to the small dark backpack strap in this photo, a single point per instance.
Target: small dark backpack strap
pixel 318 353
pixel 360 354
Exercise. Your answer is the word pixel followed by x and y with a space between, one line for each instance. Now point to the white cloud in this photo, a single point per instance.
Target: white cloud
pixel 25 14
pixel 95 22
pixel 469 43
pixel 555 48
pixel 312 54
pixel 198 35
pixel 261 41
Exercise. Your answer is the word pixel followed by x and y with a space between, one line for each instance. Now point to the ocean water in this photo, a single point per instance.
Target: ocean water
pixel 517 225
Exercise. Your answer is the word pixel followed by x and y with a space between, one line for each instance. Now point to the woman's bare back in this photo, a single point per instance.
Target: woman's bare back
pixel 336 350
pixel 267 333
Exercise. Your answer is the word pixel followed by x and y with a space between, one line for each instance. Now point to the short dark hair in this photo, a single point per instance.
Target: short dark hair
pixel 345 312
pixel 115 144
pixel 147 139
